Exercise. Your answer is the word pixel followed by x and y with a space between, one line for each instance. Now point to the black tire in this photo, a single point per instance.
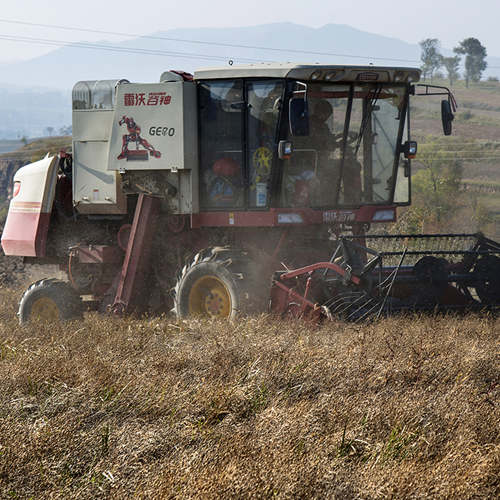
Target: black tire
pixel 487 270
pixel 221 282
pixel 49 300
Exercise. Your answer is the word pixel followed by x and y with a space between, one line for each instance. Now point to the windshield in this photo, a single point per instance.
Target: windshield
pixel 349 156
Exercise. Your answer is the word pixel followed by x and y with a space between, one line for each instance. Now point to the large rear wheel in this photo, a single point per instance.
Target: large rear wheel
pixel 49 300
pixel 487 269
pixel 221 282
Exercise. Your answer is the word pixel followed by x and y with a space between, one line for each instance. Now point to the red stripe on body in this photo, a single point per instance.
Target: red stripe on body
pixel 25 233
pixel 25 204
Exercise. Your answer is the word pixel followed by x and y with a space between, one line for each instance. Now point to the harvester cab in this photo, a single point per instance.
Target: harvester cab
pixel 247 140
pixel 189 193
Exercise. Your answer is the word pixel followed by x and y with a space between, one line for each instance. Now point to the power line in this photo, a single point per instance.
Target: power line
pixel 458 158
pixel 114 48
pixel 422 152
pixel 202 42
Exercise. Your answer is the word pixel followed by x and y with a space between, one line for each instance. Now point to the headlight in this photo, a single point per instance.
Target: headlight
pixel 290 219
pixel 383 215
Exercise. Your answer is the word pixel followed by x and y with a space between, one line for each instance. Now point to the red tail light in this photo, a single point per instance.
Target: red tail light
pixel 16 189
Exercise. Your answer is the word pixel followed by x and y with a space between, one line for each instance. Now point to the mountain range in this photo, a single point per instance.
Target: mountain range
pixel 35 94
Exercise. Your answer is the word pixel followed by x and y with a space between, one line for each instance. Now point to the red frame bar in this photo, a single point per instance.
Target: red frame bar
pixel 295 295
pixel 97 254
pixel 269 218
pixel 137 262
pixel 319 265
pixel 280 302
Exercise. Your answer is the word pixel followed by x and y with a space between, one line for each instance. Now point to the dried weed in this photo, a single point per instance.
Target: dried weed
pixel 156 408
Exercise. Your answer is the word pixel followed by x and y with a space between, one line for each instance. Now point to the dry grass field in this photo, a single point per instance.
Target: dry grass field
pixel 155 408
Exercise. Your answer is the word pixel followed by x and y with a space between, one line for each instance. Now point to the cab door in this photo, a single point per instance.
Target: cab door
pixel 264 100
pixel 238 125
pixel 222 150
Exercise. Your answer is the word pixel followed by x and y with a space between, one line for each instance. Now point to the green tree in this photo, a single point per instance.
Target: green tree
pixel 437 184
pixel 451 65
pixel 475 58
pixel 430 56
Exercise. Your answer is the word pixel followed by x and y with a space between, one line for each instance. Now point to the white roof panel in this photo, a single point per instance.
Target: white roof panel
pixel 321 72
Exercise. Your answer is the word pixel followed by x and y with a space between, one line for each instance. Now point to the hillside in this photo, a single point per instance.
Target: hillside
pixel 29 112
pixel 28 106
pixel 144 58
pixel 475 143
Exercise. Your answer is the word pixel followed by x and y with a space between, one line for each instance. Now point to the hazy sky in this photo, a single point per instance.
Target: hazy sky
pixel 447 20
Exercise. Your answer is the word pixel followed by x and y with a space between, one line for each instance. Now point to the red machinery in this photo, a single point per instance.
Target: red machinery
pixel 358 283
pixel 262 168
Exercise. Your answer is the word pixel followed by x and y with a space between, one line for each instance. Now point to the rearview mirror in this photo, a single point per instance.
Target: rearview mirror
pixel 299 117
pixel 409 149
pixel 446 117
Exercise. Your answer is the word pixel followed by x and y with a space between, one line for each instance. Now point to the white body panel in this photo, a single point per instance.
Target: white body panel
pixel 38 185
pixel 148 127
pixel 166 116
pixel 95 190
pixel 92 125
pixel 27 224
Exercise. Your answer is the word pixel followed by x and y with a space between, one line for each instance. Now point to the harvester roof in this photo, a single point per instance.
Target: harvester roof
pixel 315 72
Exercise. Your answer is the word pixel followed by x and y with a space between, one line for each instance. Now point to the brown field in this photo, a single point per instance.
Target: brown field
pixel 155 408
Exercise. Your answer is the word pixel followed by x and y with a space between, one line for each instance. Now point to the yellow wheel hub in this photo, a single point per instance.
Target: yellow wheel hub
pixel 45 309
pixel 209 296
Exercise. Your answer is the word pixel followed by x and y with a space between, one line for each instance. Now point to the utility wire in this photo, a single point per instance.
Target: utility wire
pixel 114 48
pixel 204 42
pixel 201 42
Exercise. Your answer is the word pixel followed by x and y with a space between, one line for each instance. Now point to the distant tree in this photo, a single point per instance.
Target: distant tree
pixel 65 130
pixel 24 140
pixel 475 58
pixel 451 65
pixel 49 130
pixel 430 56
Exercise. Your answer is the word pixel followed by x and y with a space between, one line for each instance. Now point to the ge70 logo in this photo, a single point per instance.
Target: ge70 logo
pixel 165 131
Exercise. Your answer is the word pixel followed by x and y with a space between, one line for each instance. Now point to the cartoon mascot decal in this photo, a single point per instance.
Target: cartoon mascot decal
pixel 134 135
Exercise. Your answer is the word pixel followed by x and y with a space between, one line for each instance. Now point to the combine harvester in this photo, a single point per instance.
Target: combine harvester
pixel 249 169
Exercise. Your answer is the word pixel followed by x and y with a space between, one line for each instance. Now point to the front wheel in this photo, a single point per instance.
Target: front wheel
pixel 49 300
pixel 220 282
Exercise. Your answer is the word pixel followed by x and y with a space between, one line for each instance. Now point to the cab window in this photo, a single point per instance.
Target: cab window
pixel 264 104
pixel 221 140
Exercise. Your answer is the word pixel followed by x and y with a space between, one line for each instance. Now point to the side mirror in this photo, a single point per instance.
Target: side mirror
pixel 446 117
pixel 299 117
pixel 409 149
pixel 285 150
